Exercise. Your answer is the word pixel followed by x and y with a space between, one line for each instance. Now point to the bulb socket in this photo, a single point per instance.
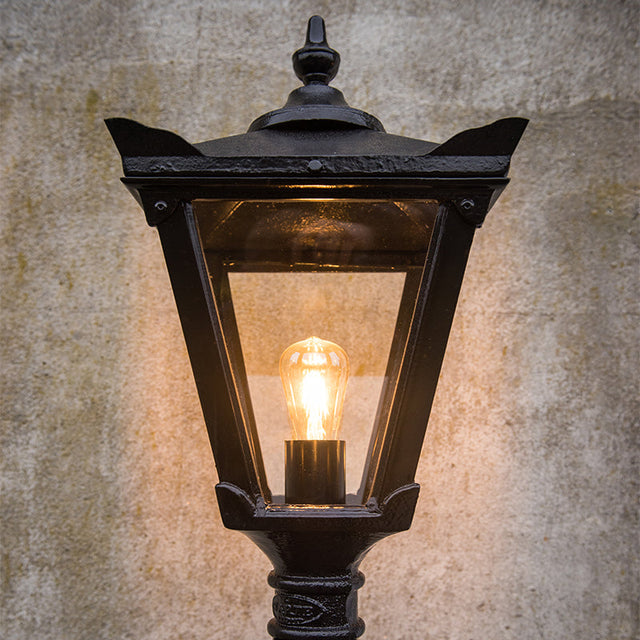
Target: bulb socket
pixel 314 472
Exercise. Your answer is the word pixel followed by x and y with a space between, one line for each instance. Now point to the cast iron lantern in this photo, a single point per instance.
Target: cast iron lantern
pixel 295 243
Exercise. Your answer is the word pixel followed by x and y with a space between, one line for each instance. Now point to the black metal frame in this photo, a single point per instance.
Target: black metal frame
pixel 317 147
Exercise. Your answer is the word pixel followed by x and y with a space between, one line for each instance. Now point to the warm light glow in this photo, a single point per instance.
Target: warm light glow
pixel 315 399
pixel 314 375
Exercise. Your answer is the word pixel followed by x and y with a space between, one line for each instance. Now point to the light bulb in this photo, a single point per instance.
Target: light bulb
pixel 314 375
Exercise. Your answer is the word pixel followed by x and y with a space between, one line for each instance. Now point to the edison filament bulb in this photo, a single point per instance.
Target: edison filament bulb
pixel 314 375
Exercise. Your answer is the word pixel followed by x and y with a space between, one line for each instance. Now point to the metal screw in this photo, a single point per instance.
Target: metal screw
pixel 314 165
pixel 161 205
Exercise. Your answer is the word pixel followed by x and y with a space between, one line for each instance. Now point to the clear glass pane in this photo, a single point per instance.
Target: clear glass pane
pixel 355 310
pixel 284 271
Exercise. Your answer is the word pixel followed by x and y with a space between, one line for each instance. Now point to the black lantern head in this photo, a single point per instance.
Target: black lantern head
pixel 316 262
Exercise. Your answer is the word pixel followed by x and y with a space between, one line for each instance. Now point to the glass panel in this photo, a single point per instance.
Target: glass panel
pixel 337 270
pixel 299 234
pixel 354 310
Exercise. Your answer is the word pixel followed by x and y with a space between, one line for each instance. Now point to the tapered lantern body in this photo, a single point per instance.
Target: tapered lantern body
pixel 316 262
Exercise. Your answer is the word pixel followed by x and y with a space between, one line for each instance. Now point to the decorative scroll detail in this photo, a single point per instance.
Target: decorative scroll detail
pixel 297 610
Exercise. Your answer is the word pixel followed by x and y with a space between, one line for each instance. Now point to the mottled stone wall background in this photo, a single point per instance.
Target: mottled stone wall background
pixel 527 525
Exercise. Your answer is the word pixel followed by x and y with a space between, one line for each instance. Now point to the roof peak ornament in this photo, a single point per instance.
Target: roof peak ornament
pixel 316 62
pixel 316 103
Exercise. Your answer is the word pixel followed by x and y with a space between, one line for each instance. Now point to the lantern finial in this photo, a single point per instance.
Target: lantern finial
pixel 316 62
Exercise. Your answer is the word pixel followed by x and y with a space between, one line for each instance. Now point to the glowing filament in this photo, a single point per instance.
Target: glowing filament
pixel 315 400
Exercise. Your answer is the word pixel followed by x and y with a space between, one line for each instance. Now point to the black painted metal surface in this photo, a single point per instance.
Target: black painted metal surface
pixel 316 149
pixel 314 472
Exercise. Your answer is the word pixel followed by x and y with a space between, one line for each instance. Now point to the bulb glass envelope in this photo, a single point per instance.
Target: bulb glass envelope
pixel 314 375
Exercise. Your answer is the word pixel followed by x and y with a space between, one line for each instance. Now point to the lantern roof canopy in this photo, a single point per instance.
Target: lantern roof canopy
pixel 316 134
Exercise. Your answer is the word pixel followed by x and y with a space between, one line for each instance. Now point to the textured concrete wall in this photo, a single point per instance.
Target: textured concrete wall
pixel 527 525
